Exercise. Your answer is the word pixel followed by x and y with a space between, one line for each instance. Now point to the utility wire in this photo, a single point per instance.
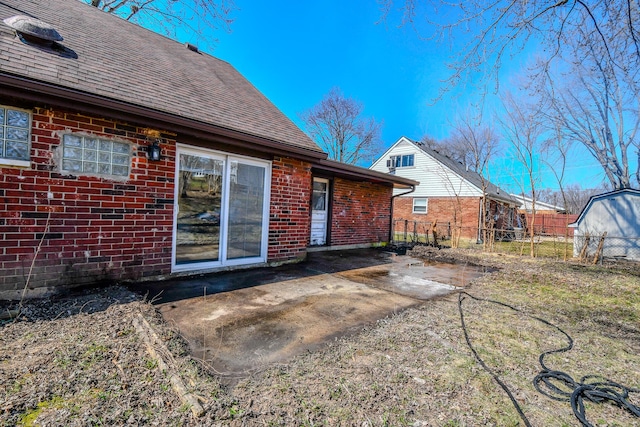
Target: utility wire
pixel 558 385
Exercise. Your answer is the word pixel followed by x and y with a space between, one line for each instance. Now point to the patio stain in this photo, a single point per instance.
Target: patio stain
pixel 298 308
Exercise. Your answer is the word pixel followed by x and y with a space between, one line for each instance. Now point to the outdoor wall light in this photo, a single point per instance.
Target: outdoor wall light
pixel 153 151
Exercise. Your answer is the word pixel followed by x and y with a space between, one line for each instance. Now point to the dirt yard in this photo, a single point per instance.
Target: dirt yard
pixel 84 360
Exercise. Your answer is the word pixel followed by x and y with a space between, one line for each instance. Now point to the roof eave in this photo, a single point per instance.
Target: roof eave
pixel 501 198
pixel 60 96
pixel 587 206
pixel 333 168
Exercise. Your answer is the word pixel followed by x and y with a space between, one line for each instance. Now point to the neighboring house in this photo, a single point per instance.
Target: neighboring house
pixel 448 192
pixel 127 156
pixel 525 205
pixel 549 220
pixel 616 213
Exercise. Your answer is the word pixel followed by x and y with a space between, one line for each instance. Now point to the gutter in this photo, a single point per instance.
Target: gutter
pixel 75 100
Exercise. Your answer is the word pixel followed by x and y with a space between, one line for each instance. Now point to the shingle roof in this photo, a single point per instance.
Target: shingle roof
pixel 112 58
pixel 474 178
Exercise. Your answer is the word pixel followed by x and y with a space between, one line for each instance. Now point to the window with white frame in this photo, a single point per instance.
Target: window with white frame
pixel 420 205
pixel 15 133
pixel 85 154
pixel 400 161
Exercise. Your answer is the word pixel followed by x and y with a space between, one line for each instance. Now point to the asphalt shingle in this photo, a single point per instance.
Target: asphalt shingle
pixel 471 176
pixel 113 58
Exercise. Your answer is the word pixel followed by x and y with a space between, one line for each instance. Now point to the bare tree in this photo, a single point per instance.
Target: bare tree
pixel 524 129
pixel 499 29
pixel 592 46
pixel 557 151
pixel 453 148
pixel 475 145
pixel 597 104
pixel 337 125
pixel 195 16
pixel 470 143
pixel 575 196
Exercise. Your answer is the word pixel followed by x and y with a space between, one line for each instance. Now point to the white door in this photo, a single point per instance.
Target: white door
pixel 319 211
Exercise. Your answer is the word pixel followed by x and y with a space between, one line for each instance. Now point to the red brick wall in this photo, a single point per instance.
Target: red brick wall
pixel 360 212
pixel 462 211
pixel 84 229
pixel 99 230
pixel 290 213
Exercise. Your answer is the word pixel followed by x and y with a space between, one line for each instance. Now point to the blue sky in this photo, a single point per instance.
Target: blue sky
pixel 295 52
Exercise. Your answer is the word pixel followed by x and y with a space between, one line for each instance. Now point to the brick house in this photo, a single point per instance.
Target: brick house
pixel 127 156
pixel 448 194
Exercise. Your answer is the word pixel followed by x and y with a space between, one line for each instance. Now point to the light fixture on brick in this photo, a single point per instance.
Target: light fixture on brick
pixel 154 151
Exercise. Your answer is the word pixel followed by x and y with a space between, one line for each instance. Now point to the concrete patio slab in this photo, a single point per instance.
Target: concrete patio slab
pixel 245 320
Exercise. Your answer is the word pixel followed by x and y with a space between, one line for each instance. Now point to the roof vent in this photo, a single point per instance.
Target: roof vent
pixel 33 30
pixel 191 47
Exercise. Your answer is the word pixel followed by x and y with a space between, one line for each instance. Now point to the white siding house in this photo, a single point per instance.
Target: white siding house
pixel 618 214
pixel 438 179
pixel 449 194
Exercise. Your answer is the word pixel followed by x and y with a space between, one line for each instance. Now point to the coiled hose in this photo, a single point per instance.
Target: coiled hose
pixel 558 385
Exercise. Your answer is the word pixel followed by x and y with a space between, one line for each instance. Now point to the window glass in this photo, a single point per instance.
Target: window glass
pixel 15 129
pixel 222 210
pixel 407 160
pixel 246 205
pixel 420 205
pixel 403 161
pixel 319 196
pixel 200 186
pixel 90 155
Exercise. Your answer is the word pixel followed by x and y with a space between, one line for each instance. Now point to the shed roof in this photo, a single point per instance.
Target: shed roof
pixel 593 199
pixel 104 57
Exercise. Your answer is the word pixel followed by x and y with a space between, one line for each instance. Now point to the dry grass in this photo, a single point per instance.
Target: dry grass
pixel 413 368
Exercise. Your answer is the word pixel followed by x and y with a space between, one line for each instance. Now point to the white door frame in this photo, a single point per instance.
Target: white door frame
pixel 224 209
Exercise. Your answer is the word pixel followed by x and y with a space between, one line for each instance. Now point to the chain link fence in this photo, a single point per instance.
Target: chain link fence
pixel 406 232
pixel 556 242
pixel 605 247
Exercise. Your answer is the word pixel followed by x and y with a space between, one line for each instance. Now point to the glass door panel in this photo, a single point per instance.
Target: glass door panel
pixel 319 211
pixel 246 210
pixel 200 187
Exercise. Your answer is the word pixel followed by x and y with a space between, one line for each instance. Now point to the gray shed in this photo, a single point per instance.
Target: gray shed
pixel 618 214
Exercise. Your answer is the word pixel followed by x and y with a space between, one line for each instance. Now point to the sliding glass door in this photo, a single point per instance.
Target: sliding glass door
pixel 221 210
pixel 246 210
pixel 199 208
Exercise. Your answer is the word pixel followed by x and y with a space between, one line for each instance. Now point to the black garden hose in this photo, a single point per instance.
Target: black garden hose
pixel 558 385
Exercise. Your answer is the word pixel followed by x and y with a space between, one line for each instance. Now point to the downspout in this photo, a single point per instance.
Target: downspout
pixel 413 188
pixel 481 213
